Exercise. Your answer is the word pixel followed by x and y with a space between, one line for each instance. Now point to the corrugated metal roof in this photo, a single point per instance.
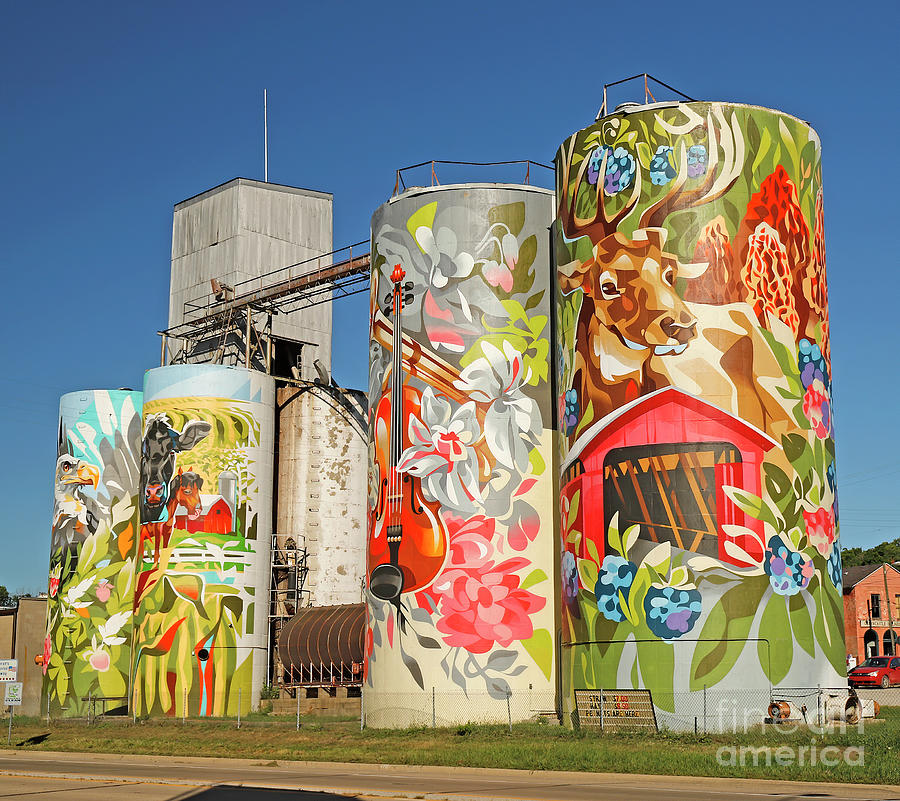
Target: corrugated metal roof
pixel 323 635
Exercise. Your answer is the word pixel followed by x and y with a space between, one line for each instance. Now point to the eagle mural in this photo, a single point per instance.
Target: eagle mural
pixel 75 515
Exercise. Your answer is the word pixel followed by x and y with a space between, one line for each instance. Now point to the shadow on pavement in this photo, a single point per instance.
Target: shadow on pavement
pixel 227 792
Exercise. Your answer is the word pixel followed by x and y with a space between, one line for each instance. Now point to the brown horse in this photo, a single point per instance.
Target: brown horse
pixel 184 490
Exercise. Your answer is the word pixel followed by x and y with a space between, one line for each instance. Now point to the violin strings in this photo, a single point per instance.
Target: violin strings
pixel 396 404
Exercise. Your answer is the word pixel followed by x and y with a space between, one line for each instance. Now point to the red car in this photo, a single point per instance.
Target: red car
pixel 876 671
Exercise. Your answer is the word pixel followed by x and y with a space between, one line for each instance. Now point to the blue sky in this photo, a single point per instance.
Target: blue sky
pixel 112 113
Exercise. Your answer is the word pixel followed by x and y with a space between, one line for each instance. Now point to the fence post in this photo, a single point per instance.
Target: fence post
pixel 184 706
pixel 819 715
pixel 362 706
pixel 705 724
pixel 48 707
pixel 509 709
pixel 433 715
pixel 298 709
pixel 601 709
pixel 9 733
pixel 239 707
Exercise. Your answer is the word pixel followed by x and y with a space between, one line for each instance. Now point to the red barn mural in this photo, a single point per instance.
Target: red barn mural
pixel 662 462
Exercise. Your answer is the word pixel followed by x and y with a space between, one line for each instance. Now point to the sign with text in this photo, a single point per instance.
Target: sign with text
pixel 13 696
pixel 613 710
pixel 8 669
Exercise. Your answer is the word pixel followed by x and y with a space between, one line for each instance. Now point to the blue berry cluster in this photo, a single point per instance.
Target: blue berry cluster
pixel 595 162
pixel 831 478
pixel 620 171
pixel 788 571
pixel 661 168
pixel 569 571
pixel 696 160
pixel 672 611
pixel 616 574
pixel 835 568
pixel 811 364
pixel 570 411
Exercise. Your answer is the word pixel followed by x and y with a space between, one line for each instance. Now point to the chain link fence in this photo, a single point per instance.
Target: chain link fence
pixel 440 708
pixel 702 711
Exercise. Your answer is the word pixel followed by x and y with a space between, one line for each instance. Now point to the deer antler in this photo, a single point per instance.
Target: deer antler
pixel 714 185
pixel 601 224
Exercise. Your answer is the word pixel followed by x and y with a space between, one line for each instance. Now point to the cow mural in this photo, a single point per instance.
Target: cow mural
pixel 199 644
pixel 159 446
pixel 161 489
pixel 698 496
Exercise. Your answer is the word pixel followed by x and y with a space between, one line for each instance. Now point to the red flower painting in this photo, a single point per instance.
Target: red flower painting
pixel 480 601
pixel 484 605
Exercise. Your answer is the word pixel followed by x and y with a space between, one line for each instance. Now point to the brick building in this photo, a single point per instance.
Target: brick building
pixel 872 610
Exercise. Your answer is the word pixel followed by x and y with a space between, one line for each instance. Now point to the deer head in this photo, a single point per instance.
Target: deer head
pixel 629 289
pixel 629 284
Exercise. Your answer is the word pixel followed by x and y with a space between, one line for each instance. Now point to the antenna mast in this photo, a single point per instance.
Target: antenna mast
pixel 266 133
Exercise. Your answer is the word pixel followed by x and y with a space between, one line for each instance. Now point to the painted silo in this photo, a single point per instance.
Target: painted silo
pixel 202 580
pixel 698 507
pixel 87 647
pixel 461 583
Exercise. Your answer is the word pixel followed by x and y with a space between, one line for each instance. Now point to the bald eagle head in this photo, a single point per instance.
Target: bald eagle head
pixel 74 514
pixel 72 473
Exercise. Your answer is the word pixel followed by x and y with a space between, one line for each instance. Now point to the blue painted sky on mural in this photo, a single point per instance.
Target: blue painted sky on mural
pixel 113 113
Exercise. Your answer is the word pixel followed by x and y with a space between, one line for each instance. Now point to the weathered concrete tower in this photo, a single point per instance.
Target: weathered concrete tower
pixel 245 235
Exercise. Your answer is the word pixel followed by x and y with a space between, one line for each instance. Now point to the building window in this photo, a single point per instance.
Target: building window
pixel 875 605
pixel 897 606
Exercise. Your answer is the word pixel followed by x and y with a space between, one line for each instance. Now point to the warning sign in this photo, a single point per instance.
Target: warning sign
pixel 615 710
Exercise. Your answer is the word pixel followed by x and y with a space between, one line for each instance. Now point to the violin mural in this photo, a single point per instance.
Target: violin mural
pixel 460 539
pixel 409 541
pixel 698 493
pixel 201 576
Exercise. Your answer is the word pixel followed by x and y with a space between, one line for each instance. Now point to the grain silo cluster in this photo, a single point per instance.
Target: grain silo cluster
pixel 595 453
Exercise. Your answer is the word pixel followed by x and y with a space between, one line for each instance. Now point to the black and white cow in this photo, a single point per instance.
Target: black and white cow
pixel 160 444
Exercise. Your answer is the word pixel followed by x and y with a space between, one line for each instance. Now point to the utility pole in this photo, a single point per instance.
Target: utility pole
pixel 887 603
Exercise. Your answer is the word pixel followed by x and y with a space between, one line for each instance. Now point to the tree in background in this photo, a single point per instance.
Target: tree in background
pixel 885 552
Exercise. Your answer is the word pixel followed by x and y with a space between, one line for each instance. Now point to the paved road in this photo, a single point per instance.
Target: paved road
pixel 38 789
pixel 97 777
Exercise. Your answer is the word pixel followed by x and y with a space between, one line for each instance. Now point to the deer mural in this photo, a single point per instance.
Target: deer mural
pixel 633 324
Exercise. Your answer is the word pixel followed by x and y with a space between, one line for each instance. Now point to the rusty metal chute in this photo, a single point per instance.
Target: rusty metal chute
pixel 323 645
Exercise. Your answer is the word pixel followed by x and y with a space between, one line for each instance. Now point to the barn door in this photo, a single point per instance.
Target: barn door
pixel 670 490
